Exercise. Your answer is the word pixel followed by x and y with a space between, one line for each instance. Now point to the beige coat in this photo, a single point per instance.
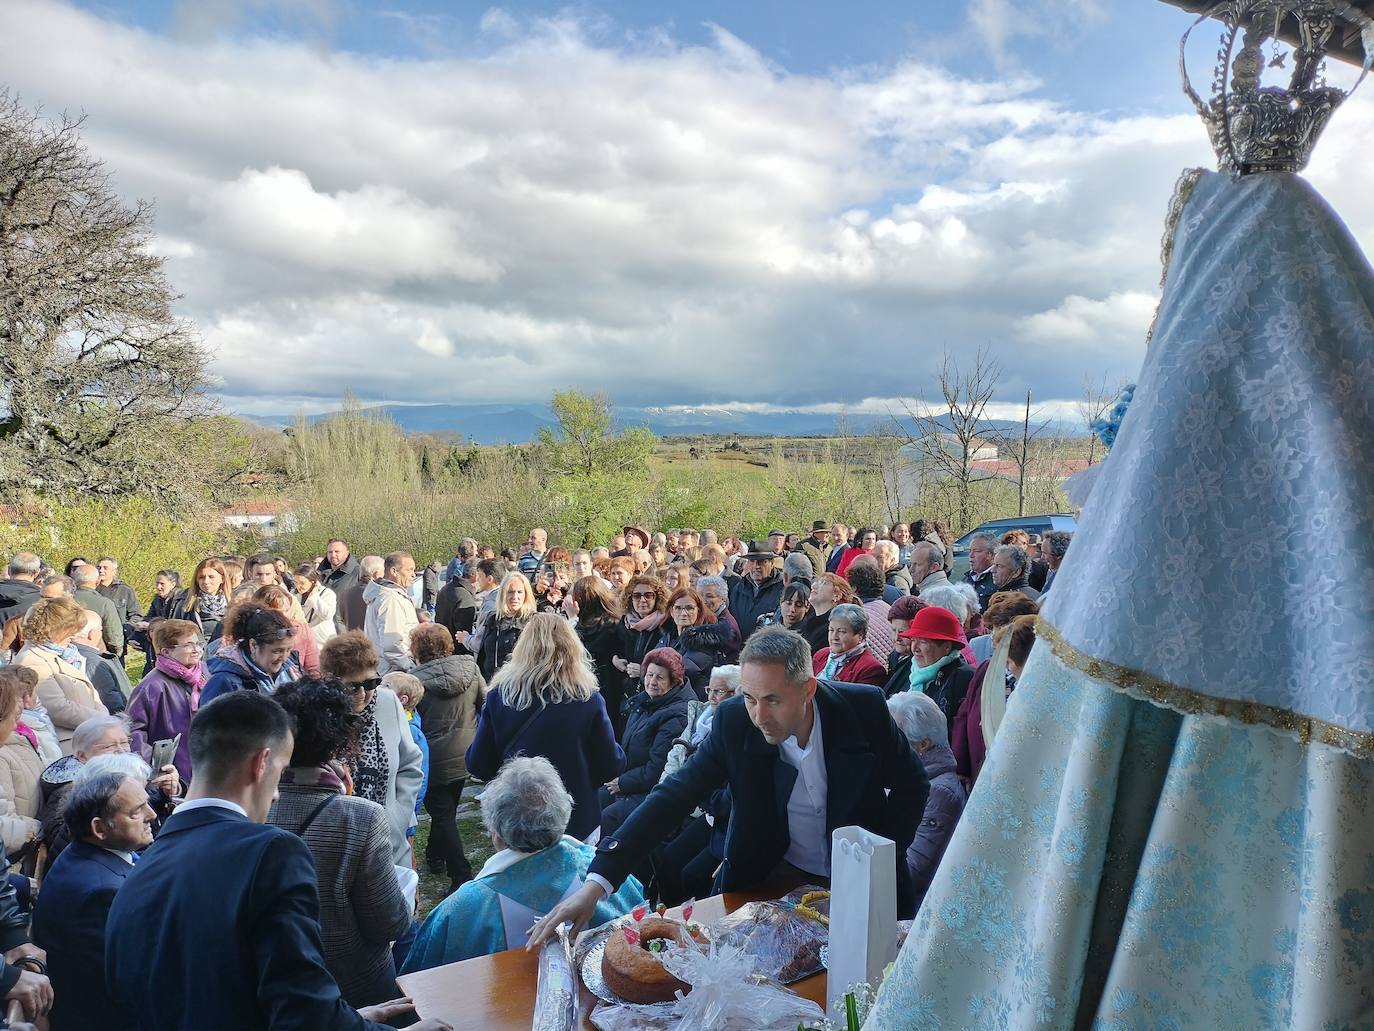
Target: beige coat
pixel 65 691
pixel 20 793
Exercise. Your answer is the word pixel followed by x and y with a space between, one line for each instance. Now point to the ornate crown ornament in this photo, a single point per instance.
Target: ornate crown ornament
pixel 1258 128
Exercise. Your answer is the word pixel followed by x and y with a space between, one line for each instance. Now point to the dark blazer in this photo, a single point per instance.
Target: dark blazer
pixel 69 923
pixel 575 736
pixel 219 926
pixel 108 678
pixel 874 781
pixel 456 606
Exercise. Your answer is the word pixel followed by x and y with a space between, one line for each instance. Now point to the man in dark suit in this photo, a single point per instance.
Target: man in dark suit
pixel 801 759
pixel 218 925
pixel 110 821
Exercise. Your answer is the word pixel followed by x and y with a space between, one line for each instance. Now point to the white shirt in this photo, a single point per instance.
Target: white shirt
pixel 128 857
pixel 809 850
pixel 205 803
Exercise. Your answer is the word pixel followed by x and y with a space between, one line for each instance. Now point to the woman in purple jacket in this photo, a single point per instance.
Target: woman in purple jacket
pixel 164 701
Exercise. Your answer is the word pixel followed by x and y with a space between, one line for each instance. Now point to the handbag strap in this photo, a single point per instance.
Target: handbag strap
pixel 314 813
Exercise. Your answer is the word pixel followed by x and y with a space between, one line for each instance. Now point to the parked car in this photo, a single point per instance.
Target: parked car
pixel 1036 524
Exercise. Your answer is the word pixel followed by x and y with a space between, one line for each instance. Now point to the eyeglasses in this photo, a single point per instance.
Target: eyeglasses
pixel 640 596
pixel 197 643
pixel 370 684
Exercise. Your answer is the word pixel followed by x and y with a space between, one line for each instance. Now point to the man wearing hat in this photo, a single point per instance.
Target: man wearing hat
pixel 938 668
pixel 759 591
pixel 632 532
pixel 817 546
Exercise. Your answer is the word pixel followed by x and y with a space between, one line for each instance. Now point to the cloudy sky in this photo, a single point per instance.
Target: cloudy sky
pixel 778 203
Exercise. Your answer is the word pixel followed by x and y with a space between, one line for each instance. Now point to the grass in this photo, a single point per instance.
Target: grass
pixel 476 843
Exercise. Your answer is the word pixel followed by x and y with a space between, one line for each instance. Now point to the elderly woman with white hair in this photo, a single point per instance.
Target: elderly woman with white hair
pixel 526 810
pixel 952 599
pixel 848 658
pixel 924 725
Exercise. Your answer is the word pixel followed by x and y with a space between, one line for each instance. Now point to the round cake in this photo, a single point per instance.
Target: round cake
pixel 635 972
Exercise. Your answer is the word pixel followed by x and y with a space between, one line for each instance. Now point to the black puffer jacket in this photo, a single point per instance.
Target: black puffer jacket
pixel 454 689
pixel 652 727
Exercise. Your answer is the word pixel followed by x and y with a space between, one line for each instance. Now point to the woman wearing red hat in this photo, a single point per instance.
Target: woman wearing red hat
pixel 938 668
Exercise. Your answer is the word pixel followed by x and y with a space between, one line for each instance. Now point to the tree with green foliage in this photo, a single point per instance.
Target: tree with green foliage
pixel 596 476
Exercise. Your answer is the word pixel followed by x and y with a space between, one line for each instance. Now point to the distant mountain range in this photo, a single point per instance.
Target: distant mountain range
pixel 519 424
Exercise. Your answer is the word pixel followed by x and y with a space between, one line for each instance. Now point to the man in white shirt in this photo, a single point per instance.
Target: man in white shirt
pixel 800 757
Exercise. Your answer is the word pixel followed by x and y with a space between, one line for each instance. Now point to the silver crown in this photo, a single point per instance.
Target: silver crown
pixel 1258 128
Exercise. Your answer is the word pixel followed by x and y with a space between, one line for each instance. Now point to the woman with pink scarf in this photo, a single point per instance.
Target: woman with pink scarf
pixel 165 700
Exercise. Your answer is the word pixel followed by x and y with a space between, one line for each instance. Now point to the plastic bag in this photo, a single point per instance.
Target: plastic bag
pixel 555 999
pixel 724 997
pixel 783 939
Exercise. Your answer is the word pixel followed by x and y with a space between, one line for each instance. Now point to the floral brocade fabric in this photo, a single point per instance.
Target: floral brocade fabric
pixel 1174 828
pixel 1122 866
pixel 1227 546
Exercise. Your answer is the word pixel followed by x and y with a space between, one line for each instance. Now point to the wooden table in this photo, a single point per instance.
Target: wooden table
pixel 496 993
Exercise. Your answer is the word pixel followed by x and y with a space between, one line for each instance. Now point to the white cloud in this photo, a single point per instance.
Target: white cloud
pixel 657 220
pixel 1119 318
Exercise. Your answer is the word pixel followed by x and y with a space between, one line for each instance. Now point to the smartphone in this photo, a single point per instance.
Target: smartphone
pixel 164 752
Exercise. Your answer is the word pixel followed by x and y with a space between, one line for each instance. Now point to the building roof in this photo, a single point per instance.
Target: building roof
pixel 1345 41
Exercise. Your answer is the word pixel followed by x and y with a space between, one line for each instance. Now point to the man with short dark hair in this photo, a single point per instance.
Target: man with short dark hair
pixel 800 758
pixel 339 572
pixel 839 544
pixel 123 597
pixel 261 571
pixel 218 924
pixel 110 821
pixel 1053 547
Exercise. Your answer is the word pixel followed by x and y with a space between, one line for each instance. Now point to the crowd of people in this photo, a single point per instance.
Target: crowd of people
pixel 667 716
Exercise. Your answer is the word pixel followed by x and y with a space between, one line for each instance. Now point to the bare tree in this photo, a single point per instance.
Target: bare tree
pixel 96 373
pixel 1095 402
pixel 1016 445
pixel 945 433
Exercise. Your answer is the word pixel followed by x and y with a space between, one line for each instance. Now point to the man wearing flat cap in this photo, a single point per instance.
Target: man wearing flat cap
pixel 759 591
pixel 817 546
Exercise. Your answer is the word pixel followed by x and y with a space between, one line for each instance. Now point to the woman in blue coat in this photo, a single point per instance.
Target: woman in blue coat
pixel 545 701
pixel 658 716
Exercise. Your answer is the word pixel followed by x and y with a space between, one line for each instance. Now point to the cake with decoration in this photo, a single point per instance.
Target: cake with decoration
pixel 632 965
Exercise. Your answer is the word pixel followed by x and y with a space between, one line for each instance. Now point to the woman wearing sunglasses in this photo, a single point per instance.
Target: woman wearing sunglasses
pixel 385 763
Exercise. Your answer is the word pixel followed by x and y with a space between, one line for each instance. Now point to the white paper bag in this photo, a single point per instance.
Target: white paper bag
pixel 863 912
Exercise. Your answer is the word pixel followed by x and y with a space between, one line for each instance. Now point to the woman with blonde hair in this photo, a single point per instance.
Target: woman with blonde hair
pixel 206 600
pixel 64 688
pixel 545 701
pixel 515 604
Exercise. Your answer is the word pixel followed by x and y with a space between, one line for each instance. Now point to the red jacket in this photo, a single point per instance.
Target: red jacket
pixel 863 670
